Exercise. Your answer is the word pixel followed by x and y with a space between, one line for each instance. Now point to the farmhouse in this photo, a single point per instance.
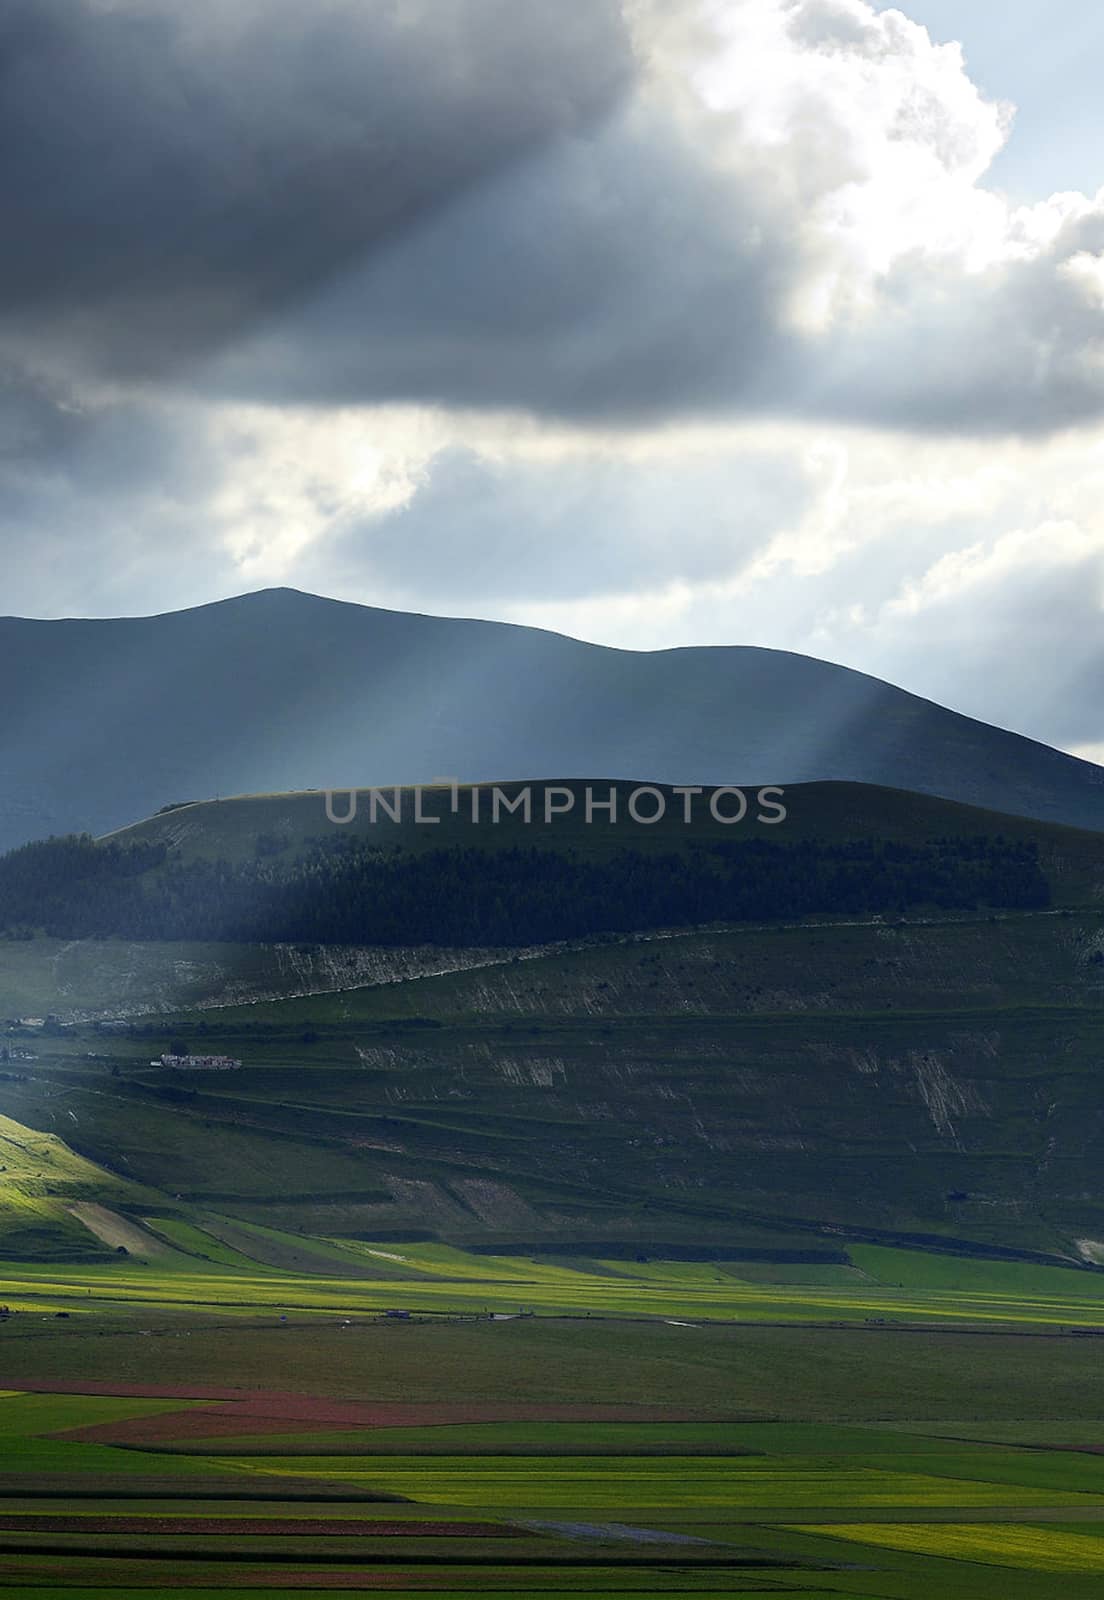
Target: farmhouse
pixel 199 1063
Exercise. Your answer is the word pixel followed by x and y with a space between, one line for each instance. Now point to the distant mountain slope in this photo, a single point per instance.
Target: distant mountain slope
pixel 105 721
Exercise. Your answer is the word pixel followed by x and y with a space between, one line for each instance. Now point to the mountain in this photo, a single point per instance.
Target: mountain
pixel 106 721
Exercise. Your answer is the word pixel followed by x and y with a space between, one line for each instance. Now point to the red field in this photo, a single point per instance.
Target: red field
pixel 299 1527
pixel 290 1413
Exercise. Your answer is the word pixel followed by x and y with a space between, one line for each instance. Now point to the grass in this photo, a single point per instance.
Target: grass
pixel 577 1488
pixel 228 829
pixel 491 1438
pixel 89 979
pixel 1036 1549
pixel 924 1270
pixel 754 1371
pixel 27 1422
pixel 438 1282
pixel 823 1495
pixel 197 1242
pixel 794 1508
pixel 44 1186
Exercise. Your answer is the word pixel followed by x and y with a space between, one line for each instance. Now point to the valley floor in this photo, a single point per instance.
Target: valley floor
pixel 230 1428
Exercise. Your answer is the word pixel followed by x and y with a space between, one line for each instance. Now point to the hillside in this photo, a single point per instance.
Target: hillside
pixel 50 1197
pixel 758 1092
pixel 276 827
pixel 539 879
pixel 281 691
pixel 923 1071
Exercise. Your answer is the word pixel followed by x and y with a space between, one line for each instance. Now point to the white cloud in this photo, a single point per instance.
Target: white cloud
pixel 970 573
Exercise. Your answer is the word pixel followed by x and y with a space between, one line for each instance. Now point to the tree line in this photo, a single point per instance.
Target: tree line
pixel 348 892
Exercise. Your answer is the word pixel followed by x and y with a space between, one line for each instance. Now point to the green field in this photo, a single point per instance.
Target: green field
pixel 439 1282
pixel 253 1419
pixel 653 1427
pixel 695 1507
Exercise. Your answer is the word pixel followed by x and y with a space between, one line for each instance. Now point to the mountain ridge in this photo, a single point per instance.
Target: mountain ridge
pixel 281 690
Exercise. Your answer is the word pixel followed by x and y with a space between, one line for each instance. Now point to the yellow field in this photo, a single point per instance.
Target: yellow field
pixel 1004 1545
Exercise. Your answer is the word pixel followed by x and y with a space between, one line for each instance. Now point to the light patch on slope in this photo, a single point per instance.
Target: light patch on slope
pixel 115 1231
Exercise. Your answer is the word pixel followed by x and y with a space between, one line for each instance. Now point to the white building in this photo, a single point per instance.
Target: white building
pixel 200 1063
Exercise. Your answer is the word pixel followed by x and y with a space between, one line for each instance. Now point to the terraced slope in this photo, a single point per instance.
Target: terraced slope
pixel 783 1089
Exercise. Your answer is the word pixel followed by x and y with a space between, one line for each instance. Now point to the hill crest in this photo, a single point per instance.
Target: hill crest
pixel 279 691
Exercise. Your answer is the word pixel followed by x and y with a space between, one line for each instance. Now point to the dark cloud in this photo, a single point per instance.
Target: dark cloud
pixel 172 172
pixel 647 267
pixel 480 203
pixel 40 420
pixel 101 498
pixel 616 275
pixel 52 433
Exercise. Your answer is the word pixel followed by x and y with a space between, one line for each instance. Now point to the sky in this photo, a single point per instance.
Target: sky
pixel 655 322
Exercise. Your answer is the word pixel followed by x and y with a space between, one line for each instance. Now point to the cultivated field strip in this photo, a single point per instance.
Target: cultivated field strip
pixel 440 1281
pixel 790 1508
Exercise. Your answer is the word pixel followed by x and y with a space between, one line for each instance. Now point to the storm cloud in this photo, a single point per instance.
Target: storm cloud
pixel 657 321
pixel 599 212
pixel 172 172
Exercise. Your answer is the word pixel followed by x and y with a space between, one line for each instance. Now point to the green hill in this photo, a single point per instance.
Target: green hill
pixel 53 1201
pixel 229 827
pixel 443 872
pixel 277 827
